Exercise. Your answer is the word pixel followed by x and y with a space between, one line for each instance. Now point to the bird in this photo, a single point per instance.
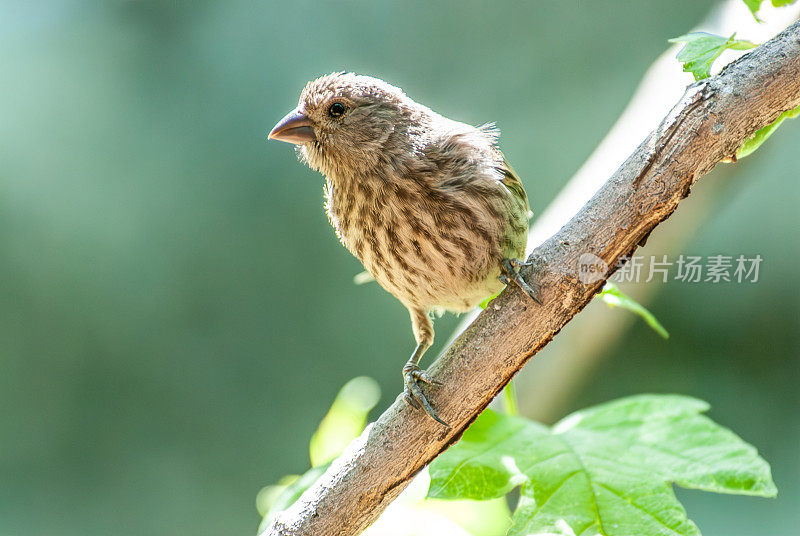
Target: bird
pixel 429 205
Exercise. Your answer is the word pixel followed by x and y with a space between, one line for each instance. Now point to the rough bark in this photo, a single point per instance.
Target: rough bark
pixel 713 118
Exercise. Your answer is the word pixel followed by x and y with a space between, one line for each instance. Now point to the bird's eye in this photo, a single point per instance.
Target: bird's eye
pixel 337 109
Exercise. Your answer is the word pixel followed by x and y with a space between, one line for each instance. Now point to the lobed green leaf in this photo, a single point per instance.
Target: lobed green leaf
pixel 606 470
pixel 703 48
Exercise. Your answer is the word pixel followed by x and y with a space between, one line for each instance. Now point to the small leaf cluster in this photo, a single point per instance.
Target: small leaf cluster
pixel 606 470
pixel 755 5
pixel 700 52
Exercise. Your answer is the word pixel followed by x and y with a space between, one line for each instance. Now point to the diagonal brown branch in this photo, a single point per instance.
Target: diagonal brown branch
pixel 712 119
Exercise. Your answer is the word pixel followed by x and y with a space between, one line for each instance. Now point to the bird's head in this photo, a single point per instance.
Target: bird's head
pixel 345 122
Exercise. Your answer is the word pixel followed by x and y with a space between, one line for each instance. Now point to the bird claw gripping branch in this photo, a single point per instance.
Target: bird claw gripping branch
pixel 510 274
pixel 413 393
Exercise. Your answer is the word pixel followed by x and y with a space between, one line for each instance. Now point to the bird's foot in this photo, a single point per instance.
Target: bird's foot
pixel 510 274
pixel 413 394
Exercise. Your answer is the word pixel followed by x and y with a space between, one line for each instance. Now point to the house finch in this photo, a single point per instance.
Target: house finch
pixel 428 205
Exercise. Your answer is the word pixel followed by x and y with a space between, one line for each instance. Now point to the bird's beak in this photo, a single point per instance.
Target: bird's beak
pixel 295 128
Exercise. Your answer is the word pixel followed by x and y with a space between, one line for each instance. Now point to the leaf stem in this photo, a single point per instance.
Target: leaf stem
pixel 510 398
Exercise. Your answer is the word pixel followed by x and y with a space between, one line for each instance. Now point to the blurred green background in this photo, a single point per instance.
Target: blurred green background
pixel 176 315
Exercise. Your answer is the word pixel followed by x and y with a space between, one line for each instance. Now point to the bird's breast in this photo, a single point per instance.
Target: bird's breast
pixel 425 247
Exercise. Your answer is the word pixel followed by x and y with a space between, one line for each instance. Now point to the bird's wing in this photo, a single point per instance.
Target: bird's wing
pixel 512 181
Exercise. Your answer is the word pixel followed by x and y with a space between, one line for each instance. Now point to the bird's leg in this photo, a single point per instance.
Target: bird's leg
pixel 412 374
pixel 510 274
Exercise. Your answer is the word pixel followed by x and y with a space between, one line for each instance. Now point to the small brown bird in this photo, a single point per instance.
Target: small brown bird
pixel 428 205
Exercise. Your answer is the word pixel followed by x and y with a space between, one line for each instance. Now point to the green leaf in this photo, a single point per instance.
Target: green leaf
pixel 606 470
pixel 703 48
pixel 279 497
pixel 510 398
pixel 762 134
pixel 754 6
pixel 614 297
pixel 411 514
pixel 485 303
pixel 345 420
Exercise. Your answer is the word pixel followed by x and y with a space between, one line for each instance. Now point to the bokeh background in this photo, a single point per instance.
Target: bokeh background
pixel 176 315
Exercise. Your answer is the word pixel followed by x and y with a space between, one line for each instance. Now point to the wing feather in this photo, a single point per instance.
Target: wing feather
pixel 514 184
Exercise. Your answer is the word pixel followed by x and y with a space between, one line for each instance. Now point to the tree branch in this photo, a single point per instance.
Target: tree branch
pixel 568 363
pixel 710 122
